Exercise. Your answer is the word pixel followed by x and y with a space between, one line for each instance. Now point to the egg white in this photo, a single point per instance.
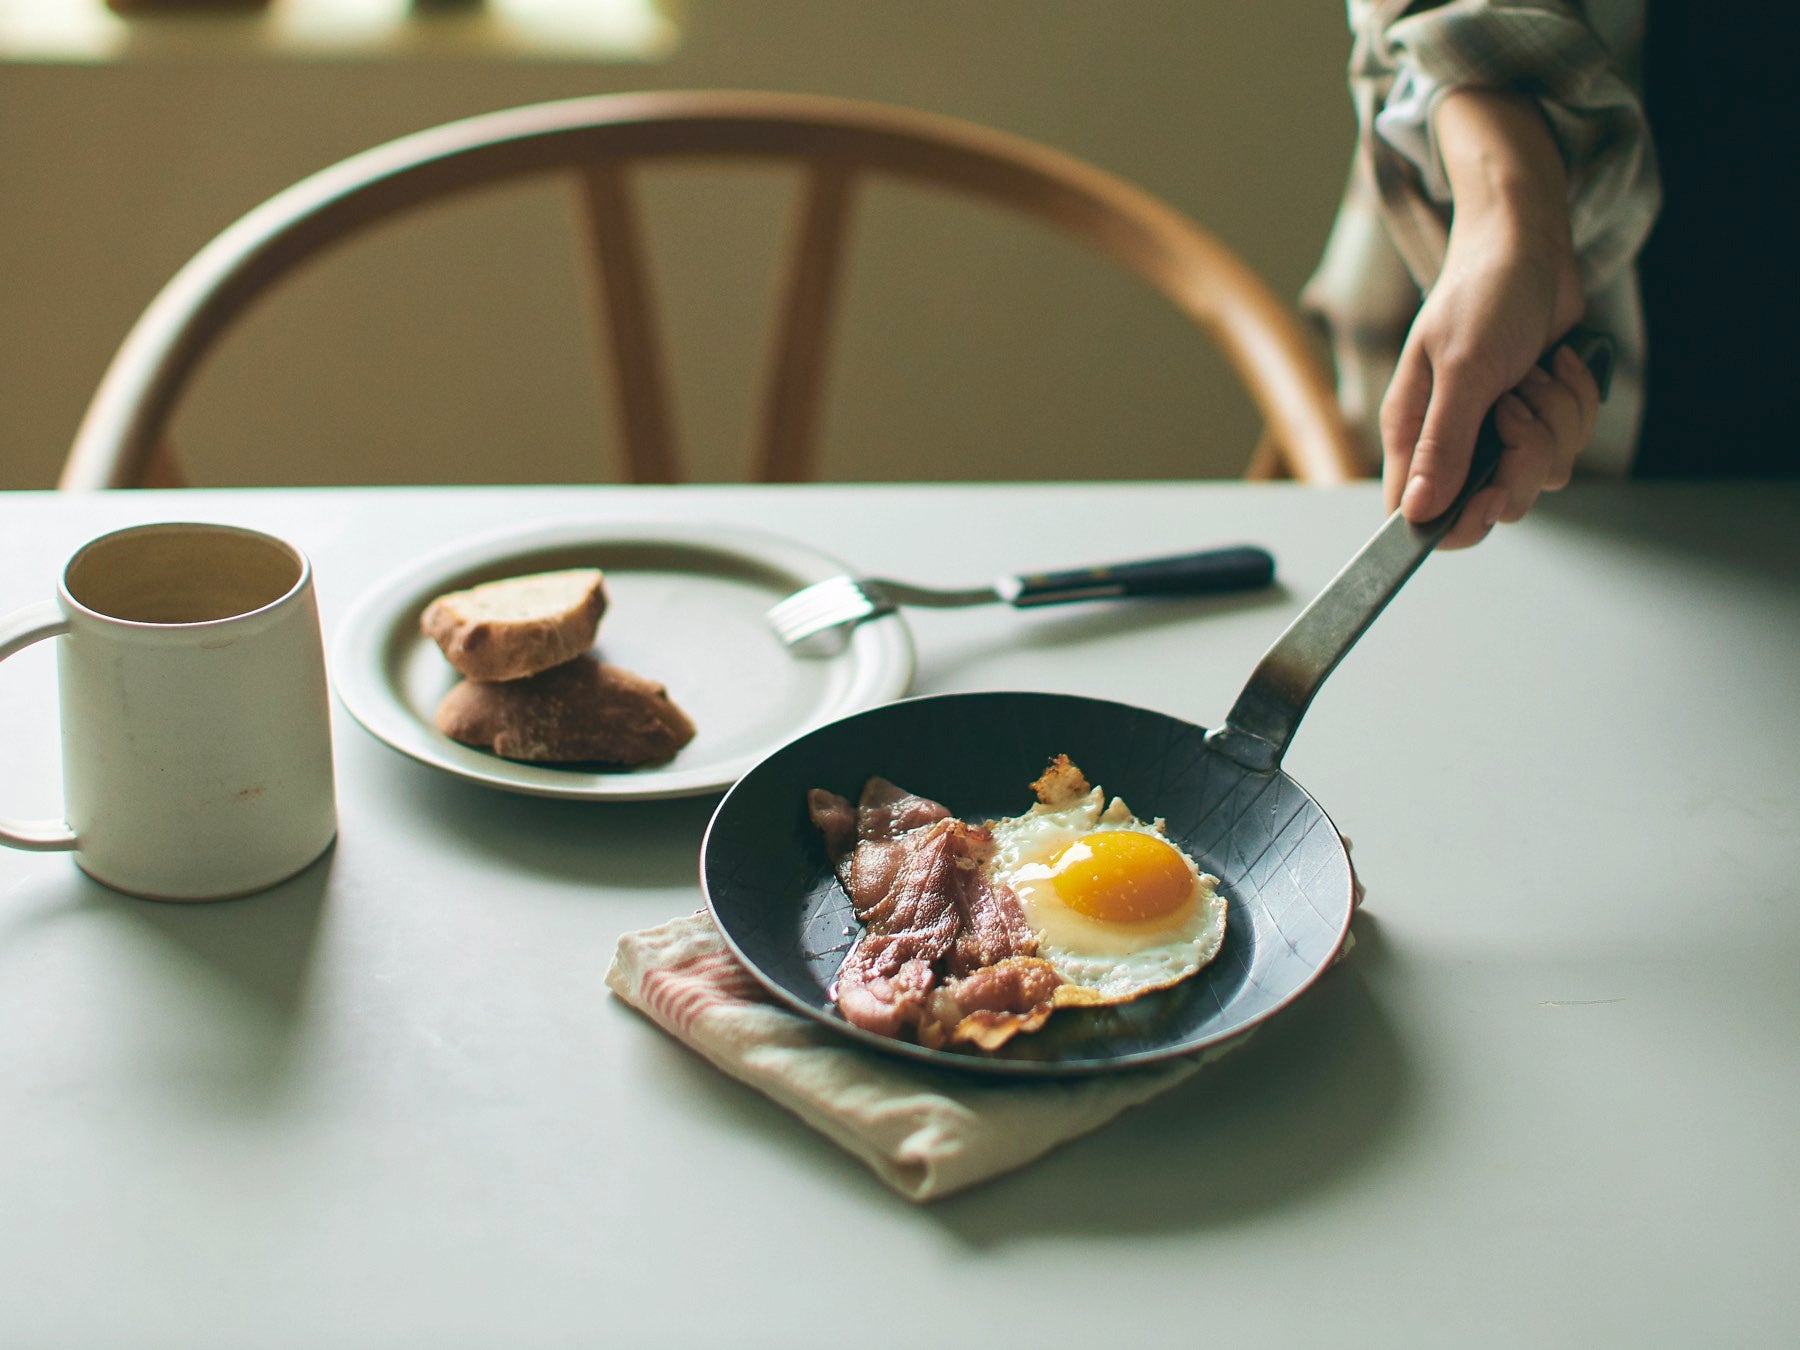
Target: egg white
pixel 1105 961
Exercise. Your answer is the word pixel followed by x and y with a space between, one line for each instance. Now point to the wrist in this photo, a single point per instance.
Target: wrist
pixel 1498 152
pixel 1506 174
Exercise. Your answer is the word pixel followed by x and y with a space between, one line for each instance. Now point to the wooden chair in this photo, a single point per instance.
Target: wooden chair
pixel 838 144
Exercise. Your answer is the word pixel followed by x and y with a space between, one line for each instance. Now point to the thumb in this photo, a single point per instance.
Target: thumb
pixel 1402 417
pixel 1440 463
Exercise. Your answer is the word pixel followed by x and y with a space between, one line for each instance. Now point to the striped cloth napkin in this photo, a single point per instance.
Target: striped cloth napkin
pixel 925 1132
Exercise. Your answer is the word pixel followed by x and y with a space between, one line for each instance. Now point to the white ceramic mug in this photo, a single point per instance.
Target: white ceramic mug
pixel 196 723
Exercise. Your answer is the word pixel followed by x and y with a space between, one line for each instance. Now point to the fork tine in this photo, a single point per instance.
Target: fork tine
pixel 813 609
pixel 822 605
pixel 834 595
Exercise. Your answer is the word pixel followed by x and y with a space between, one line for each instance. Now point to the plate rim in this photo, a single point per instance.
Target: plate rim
pixel 882 647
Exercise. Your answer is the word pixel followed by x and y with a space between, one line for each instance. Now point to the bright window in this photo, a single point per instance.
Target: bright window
pixel 90 30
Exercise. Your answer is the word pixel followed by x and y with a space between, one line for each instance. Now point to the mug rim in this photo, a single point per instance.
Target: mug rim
pixel 67 596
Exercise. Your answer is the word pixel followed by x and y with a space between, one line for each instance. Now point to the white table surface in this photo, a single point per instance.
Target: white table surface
pixel 1551 1100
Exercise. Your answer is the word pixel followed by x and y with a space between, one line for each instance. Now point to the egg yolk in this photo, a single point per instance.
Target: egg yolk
pixel 1121 876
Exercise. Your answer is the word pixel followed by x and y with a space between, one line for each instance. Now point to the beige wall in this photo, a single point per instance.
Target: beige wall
pixel 455 348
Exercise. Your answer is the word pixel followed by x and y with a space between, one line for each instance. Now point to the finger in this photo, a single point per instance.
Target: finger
pixel 1527 458
pixel 1572 371
pixel 1446 444
pixel 1557 406
pixel 1551 427
pixel 1579 379
pixel 1527 448
pixel 1477 519
pixel 1402 414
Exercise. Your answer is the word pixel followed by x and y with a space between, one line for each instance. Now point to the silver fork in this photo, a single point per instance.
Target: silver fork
pixel 840 601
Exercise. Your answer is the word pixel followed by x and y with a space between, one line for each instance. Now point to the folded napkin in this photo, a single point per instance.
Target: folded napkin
pixel 926 1132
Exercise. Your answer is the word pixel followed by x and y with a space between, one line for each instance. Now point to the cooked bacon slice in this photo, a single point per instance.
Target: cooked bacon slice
pixel 836 820
pixel 884 1003
pixel 864 841
pixel 929 913
pixel 992 1005
pixel 993 922
pixel 907 929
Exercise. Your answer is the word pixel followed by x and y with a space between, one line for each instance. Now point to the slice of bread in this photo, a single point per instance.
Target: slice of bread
pixel 582 710
pixel 509 629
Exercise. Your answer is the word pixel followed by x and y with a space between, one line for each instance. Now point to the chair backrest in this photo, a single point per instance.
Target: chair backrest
pixel 838 144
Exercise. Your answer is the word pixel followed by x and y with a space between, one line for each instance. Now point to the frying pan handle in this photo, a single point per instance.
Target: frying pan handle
pixel 1263 720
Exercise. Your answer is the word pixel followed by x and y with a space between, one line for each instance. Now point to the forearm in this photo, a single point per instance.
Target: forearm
pixel 1569 58
pixel 1508 286
pixel 1507 181
pixel 1509 209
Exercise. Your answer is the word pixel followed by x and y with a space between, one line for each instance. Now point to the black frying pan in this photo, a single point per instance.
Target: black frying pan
pixel 1284 869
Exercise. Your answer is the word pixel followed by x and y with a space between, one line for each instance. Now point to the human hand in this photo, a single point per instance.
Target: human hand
pixel 1508 288
pixel 1474 347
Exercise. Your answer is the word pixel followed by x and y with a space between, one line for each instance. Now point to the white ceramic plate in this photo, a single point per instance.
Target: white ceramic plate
pixel 685 608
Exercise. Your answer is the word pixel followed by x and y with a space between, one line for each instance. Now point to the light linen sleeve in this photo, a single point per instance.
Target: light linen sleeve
pixel 1577 60
pixel 1387 245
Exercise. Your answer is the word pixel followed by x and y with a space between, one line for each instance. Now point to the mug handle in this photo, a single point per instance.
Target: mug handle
pixel 18 631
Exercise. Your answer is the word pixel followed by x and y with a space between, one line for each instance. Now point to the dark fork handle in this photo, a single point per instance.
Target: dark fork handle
pixel 1211 572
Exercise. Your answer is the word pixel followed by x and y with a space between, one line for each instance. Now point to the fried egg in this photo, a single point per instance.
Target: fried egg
pixel 1119 909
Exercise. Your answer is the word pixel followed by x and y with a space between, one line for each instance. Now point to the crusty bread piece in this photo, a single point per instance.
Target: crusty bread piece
pixel 506 630
pixel 580 710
